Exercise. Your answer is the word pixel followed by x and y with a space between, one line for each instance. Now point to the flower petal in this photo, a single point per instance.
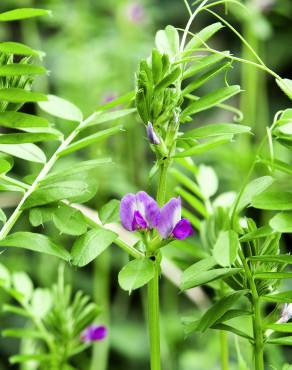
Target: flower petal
pixel 182 229
pixel 94 333
pixel 127 210
pixel 170 214
pixel 148 208
pixel 138 221
pixel 152 136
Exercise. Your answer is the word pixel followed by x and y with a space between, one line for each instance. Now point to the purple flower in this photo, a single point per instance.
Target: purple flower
pixel 138 211
pixel 170 224
pixel 135 12
pixel 152 136
pixel 93 333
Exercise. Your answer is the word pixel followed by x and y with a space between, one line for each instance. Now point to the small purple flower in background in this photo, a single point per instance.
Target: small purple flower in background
pixel 138 211
pixel 152 136
pixel 135 12
pixel 109 97
pixel 93 333
pixel 170 224
pixel 286 314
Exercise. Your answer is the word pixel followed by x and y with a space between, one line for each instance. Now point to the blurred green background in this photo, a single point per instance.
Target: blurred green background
pixel 92 51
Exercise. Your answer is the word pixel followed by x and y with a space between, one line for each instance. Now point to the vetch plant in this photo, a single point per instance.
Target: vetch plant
pixel 58 323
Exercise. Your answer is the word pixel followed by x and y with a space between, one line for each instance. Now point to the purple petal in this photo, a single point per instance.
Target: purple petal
pixel 138 221
pixel 127 210
pixel 94 333
pixel 148 208
pixel 170 215
pixel 152 136
pixel 182 229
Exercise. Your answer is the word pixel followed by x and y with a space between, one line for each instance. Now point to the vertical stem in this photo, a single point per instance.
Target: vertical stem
pixel 153 319
pixel 153 285
pixel 101 286
pixel 224 350
pixel 258 335
pixel 161 190
pixel 258 347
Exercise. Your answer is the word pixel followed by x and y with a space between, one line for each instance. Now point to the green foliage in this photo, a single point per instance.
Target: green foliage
pixel 55 319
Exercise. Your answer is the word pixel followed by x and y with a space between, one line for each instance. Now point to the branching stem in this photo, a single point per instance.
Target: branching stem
pixel 41 176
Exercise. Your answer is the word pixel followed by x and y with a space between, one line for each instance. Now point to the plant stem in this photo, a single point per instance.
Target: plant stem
pixel 258 346
pixel 161 190
pixel 153 285
pixel 223 340
pixel 41 176
pixel 153 319
pixel 224 350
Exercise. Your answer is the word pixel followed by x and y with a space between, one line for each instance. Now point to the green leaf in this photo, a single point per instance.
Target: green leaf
pixel 216 130
pixel 204 146
pixel 102 117
pixel 23 284
pixel 39 357
pixel 22 333
pixel 35 242
pixel 194 270
pixel 218 310
pixel 41 302
pixel 28 152
pixel 207 180
pixel 80 144
pixel 204 35
pixel 3 217
pixel 203 63
pixel 284 341
pixel 210 100
pixel 200 81
pixel 273 275
pixel 281 328
pixel 168 80
pixel 21 120
pixel 280 258
pixel 126 98
pixel 136 273
pixel 27 138
pixel 278 165
pixel 273 200
pixel 61 108
pixel 282 222
pixel 81 168
pixel 91 245
pixel 286 86
pixel 5 166
pixel 40 215
pixel 69 220
pixel 262 232
pixel 254 188
pixel 282 297
pixel 167 41
pixel 19 49
pixel 226 248
pixel 54 192
pixel 110 212
pixel 17 95
pixel 22 13
pixel 16 69
pixel 207 276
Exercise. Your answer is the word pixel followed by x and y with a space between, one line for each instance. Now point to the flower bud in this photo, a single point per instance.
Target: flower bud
pixel 152 136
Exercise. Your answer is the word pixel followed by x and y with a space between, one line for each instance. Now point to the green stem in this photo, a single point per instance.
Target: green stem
pixel 153 285
pixel 161 190
pixel 224 350
pixel 258 345
pixel 45 170
pixel 153 319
